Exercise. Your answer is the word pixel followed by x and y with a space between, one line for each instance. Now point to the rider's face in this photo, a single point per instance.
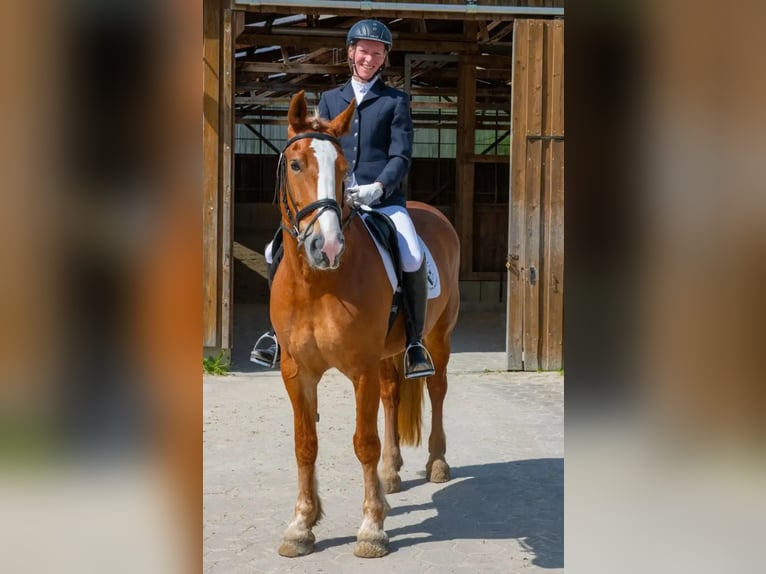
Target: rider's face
pixel 368 56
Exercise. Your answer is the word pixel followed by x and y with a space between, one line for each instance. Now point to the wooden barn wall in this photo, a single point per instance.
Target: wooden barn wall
pixel 536 222
pixel 217 141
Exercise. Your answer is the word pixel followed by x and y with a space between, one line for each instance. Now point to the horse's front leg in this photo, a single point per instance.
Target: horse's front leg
pixel 392 456
pixel 437 469
pixel 302 388
pixel 372 540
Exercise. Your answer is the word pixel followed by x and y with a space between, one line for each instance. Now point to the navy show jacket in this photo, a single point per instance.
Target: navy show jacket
pixel 379 144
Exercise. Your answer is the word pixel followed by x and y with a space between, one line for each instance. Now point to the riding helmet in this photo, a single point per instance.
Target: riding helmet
pixel 369 30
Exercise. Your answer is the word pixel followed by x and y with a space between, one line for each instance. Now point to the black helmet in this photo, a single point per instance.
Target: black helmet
pixel 369 30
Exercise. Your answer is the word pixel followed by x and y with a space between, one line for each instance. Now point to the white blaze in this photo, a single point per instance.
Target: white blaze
pixel 326 154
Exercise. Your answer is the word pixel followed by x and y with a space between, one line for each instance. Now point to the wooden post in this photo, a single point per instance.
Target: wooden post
pixel 552 329
pixel 211 63
pixel 517 273
pixel 227 180
pixel 464 174
pixel 218 156
pixel 531 253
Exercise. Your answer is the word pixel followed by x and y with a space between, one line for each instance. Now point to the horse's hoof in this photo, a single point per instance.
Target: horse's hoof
pixel 438 471
pixel 291 548
pixel 392 482
pixel 371 548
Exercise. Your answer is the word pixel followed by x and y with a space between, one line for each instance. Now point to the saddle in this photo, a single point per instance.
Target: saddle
pixel 384 231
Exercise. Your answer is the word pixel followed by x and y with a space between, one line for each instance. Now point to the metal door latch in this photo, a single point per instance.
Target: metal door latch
pixel 510 263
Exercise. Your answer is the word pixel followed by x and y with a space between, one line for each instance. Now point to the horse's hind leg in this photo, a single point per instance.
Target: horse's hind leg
pixel 392 456
pixel 372 540
pixel 298 539
pixel 437 469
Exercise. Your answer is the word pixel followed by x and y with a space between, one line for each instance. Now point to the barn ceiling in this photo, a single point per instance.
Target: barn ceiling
pixel 276 55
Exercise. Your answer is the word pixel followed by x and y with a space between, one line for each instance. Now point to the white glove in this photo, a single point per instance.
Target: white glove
pixel 364 194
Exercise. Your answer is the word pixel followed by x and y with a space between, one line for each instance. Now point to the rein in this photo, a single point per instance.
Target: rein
pixel 294 215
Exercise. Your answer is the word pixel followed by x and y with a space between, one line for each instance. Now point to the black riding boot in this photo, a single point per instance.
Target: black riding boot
pixel 266 349
pixel 417 359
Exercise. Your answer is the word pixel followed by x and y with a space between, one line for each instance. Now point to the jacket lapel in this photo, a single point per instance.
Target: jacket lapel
pixel 347 92
pixel 376 90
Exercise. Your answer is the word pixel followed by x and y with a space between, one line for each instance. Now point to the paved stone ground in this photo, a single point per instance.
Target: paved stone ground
pixel 503 510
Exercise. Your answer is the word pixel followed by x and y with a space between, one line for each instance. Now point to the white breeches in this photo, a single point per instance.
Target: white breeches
pixel 409 244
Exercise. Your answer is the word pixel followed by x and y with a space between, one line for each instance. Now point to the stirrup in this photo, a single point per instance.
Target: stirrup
pixel 268 355
pixel 426 368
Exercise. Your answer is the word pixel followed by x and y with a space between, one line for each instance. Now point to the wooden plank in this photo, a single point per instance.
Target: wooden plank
pixel 372 11
pixel 516 244
pixel 227 180
pixel 464 171
pixel 337 39
pixel 533 262
pixel 210 151
pixel 552 347
pixel 483 276
pixel 476 158
pixel 490 228
pixel 238 24
pixel 245 68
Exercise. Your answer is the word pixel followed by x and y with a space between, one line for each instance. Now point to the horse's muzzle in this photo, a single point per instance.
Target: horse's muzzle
pixel 323 253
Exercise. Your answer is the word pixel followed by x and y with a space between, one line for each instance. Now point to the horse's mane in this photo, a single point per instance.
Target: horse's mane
pixel 317 124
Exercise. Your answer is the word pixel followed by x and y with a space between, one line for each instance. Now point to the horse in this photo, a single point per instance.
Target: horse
pixel 329 306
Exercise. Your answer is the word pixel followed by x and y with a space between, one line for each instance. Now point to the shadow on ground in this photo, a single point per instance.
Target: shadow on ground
pixel 522 500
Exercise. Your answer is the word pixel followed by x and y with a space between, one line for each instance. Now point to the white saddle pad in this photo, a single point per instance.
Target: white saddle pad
pixel 434 286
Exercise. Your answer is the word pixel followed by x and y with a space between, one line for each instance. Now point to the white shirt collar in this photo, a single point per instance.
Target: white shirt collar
pixel 361 88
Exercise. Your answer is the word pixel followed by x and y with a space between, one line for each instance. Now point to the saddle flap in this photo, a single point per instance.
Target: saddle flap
pixel 383 233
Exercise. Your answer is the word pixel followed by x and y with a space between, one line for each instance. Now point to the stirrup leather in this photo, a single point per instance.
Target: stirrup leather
pixel 424 372
pixel 260 356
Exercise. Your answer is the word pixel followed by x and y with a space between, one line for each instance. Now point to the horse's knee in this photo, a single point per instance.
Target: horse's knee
pixel 437 388
pixel 367 447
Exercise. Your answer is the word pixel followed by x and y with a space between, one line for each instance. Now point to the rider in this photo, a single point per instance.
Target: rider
pixel 379 150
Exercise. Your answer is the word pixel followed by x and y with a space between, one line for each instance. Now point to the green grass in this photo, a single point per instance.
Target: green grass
pixel 216 365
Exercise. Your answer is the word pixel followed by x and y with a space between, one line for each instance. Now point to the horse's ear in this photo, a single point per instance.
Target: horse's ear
pixel 342 122
pixel 296 116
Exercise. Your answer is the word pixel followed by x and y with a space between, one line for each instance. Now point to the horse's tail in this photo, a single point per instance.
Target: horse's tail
pixel 410 410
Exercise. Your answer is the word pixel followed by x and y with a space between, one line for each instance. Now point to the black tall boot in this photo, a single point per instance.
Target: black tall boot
pixel 266 349
pixel 417 359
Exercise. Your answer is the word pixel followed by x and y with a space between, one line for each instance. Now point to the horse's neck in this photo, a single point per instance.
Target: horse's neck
pixel 305 277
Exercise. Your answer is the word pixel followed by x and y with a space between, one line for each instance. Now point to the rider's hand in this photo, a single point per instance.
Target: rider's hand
pixel 364 194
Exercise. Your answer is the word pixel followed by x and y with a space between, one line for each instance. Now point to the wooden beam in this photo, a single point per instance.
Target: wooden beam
pixel 443 91
pixel 373 11
pixel 464 169
pixel 552 331
pixel 532 224
pixel 226 237
pixel 285 38
pixel 488 158
pixel 500 73
pixel 211 66
pixel 284 100
pixel 516 265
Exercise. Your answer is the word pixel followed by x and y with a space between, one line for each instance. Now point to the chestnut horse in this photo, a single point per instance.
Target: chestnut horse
pixel 330 303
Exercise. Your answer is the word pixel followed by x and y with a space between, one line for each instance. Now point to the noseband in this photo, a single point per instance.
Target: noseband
pixel 319 206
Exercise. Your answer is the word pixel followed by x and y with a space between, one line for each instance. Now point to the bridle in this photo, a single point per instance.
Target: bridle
pixel 294 215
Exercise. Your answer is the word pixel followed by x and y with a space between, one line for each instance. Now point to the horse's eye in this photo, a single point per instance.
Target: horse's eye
pixel 295 165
